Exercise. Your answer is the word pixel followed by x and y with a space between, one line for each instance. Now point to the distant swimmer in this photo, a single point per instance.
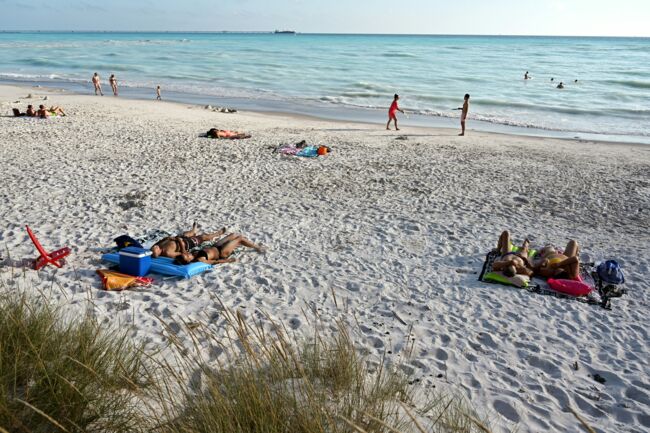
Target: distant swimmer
pixel 463 114
pixel 552 79
pixel 97 83
pixel 113 81
pixel 526 76
pixel 392 112
pixel 575 81
pixel 561 85
pixel 158 97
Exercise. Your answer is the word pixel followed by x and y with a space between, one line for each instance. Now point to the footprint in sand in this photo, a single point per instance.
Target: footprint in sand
pixel 506 410
pixel 441 355
pixel 295 323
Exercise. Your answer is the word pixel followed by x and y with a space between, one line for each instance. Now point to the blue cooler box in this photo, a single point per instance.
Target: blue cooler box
pixel 135 261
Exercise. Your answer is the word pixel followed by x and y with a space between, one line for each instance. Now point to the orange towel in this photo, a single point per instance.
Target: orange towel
pixel 116 281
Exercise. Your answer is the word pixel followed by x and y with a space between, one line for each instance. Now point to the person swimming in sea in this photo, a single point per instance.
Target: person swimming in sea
pixel 561 85
pixel 392 112
pixel 526 76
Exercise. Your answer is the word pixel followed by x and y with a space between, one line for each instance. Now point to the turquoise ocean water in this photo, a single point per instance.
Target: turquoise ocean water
pixel 355 76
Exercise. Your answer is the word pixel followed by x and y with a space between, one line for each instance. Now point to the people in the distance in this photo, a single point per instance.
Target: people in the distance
pixel 392 112
pixel 463 114
pixel 97 83
pixel 44 112
pixel 113 82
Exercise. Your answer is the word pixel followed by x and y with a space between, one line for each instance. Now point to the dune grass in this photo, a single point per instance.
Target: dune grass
pixel 72 376
pixel 273 385
pixel 58 375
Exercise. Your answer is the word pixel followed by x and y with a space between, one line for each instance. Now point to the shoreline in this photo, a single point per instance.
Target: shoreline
pixel 323 112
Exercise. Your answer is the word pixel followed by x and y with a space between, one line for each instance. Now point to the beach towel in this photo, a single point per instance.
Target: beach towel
pixel 537 285
pixel 166 266
pixel 301 149
pixel 116 281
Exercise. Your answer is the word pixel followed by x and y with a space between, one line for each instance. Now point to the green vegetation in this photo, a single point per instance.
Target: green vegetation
pixel 59 374
pixel 67 376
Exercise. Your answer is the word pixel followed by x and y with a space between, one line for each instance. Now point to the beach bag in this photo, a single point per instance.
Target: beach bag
pixel 126 241
pixel 609 279
pixel 610 272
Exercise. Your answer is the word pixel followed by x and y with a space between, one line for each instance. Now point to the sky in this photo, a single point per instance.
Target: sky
pixel 485 17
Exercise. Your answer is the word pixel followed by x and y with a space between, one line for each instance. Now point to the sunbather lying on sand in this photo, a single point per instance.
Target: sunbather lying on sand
pixel 44 112
pixel 223 133
pixel 175 246
pixel 220 252
pixel 512 263
pixel 550 263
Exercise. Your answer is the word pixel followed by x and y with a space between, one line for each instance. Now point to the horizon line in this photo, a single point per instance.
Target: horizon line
pixel 321 33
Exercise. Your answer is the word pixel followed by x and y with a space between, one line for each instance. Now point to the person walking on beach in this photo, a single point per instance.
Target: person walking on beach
pixel 463 114
pixel 158 97
pixel 113 82
pixel 392 112
pixel 97 84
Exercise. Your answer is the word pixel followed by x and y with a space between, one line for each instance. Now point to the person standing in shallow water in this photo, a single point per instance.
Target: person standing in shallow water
pixel 463 114
pixel 97 83
pixel 158 97
pixel 113 82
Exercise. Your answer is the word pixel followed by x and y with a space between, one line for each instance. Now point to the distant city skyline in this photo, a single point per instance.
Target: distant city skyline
pixel 496 17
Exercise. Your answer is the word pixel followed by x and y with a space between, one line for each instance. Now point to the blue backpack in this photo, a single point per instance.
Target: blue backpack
pixel 610 272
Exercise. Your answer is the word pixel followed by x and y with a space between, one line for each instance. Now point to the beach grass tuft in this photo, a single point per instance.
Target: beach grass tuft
pixel 72 375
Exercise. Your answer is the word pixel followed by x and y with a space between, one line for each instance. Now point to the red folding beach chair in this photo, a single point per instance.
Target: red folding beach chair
pixel 55 257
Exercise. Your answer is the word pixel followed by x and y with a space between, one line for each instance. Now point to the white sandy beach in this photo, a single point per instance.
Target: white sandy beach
pixel 396 229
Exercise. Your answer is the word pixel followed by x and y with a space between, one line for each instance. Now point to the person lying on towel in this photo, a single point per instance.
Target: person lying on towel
pixel 44 112
pixel 220 252
pixel 175 246
pixel 551 263
pixel 512 263
pixel 224 133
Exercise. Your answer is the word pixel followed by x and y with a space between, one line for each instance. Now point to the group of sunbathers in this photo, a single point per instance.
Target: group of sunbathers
pixel 43 112
pixel 549 262
pixel 186 247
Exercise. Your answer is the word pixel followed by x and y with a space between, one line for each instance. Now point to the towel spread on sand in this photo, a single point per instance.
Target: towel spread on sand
pixel 537 285
pixel 116 281
pixel 295 150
